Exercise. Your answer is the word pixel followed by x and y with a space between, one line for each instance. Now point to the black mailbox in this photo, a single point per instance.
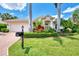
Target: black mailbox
pixel 19 34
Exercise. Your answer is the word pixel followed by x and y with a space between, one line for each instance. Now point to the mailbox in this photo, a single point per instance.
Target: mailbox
pixel 19 34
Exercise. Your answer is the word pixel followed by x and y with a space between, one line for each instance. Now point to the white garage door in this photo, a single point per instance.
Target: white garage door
pixel 15 28
pixel 18 28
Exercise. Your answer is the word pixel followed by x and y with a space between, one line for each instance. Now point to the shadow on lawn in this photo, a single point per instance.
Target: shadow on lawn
pixel 66 35
pixel 58 39
pixel 69 35
pixel 72 38
pixel 27 49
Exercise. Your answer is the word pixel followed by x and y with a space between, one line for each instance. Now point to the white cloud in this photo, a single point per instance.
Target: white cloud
pixel 66 18
pixel 13 6
pixel 11 13
pixel 56 16
pixel 70 9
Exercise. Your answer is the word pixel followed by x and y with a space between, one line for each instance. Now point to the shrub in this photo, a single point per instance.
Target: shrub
pixel 39 28
pixel 3 26
pixel 50 30
pixel 67 23
pixel 4 30
pixel 39 35
pixel 67 30
pixel 75 28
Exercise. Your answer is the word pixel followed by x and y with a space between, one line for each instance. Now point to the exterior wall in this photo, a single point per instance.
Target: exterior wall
pixel 52 25
pixel 17 27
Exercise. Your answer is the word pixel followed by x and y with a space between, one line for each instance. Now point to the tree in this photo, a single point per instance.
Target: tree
pixel 57 6
pixel 75 16
pixel 30 16
pixel 6 16
pixel 14 17
pixel 67 23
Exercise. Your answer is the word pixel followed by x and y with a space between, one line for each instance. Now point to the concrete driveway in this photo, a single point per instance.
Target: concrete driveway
pixel 6 40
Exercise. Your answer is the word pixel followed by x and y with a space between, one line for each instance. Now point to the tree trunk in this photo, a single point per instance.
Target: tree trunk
pixel 58 17
pixel 30 16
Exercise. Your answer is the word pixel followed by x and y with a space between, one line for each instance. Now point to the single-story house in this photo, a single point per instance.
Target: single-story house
pixel 16 25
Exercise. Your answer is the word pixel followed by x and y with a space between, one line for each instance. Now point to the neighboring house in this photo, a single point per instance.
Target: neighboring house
pixel 48 21
pixel 16 25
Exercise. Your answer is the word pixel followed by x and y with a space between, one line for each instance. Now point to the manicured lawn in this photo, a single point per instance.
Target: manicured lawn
pixel 51 46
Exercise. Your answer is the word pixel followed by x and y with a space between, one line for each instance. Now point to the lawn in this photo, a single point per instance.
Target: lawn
pixel 50 46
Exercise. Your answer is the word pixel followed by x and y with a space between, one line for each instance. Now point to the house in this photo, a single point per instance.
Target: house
pixel 48 21
pixel 16 25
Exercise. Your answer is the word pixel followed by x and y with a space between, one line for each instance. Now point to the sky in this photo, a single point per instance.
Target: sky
pixel 38 9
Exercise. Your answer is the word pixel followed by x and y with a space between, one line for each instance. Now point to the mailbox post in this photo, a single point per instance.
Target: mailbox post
pixel 22 37
pixel 21 34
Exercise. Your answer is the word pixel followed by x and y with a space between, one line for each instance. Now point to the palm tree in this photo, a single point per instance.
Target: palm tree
pixel 6 16
pixel 30 16
pixel 57 6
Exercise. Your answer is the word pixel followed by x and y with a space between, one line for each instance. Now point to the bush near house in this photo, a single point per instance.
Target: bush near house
pixel 49 30
pixel 39 28
pixel 3 28
pixel 75 28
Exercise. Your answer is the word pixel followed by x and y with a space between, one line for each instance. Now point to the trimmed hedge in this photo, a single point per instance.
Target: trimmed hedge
pixel 39 35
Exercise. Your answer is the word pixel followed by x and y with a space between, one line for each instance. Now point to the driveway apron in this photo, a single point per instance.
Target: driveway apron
pixel 6 40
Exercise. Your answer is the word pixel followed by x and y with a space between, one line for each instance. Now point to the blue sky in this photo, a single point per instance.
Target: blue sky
pixel 38 9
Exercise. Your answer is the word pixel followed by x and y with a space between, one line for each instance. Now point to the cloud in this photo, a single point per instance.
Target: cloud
pixel 11 13
pixel 56 16
pixel 70 9
pixel 13 6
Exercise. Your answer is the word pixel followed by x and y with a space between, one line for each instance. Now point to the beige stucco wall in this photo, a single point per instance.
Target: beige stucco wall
pixel 16 26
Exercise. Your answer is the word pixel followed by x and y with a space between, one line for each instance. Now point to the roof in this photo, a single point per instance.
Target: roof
pixel 17 20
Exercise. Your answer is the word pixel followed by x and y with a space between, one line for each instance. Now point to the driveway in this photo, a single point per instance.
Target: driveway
pixel 6 40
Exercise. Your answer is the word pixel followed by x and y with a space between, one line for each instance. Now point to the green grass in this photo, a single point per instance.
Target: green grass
pixel 51 46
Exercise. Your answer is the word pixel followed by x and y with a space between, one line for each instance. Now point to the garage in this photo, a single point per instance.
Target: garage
pixel 16 25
